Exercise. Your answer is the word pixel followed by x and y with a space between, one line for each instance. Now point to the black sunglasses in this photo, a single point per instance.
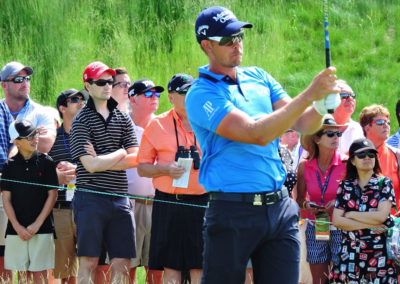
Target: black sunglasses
pixel 19 79
pixel 102 82
pixel 75 100
pixel 345 96
pixel 228 40
pixel 362 155
pixel 331 133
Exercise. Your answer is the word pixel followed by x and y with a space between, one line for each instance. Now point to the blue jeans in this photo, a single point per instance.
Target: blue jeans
pixel 235 232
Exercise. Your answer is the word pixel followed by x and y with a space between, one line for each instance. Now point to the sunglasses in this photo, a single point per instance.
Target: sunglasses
pixel 122 84
pixel 19 79
pixel 331 133
pixel 76 100
pixel 30 137
pixel 380 122
pixel 228 40
pixel 150 94
pixel 362 155
pixel 102 82
pixel 345 96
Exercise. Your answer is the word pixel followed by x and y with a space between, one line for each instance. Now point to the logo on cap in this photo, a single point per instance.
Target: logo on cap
pixel 224 16
pixel 148 83
pixel 365 143
pixel 203 29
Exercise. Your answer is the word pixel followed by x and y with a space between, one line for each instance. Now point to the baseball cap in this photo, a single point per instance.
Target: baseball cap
pixel 180 82
pixel 217 21
pixel 64 95
pixel 13 68
pixel 360 145
pixel 95 69
pixel 143 85
pixel 21 129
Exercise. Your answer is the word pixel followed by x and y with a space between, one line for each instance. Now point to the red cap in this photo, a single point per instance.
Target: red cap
pixel 95 69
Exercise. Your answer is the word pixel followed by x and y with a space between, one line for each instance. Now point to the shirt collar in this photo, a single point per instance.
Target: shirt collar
pixel 218 77
pixel 21 158
pixel 111 104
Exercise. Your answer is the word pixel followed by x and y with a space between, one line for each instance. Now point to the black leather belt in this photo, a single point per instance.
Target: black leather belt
pixel 257 199
pixel 63 205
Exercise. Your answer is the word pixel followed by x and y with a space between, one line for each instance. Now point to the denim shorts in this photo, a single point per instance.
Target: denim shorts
pixel 104 219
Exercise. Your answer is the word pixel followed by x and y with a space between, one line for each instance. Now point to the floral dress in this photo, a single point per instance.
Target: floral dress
pixel 363 255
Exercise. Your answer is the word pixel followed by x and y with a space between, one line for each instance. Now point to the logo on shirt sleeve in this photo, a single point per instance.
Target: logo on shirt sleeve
pixel 209 109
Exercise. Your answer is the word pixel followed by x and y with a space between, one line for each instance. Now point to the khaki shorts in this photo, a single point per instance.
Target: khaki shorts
pixel 37 254
pixel 142 213
pixel 66 264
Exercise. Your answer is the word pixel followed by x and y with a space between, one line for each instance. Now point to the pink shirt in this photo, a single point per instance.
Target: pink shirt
pixel 336 171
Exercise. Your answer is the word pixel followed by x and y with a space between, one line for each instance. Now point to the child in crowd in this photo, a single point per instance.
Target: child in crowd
pixel 29 247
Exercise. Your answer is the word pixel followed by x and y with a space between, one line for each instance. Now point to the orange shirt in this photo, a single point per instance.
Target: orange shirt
pixel 158 146
pixel 389 166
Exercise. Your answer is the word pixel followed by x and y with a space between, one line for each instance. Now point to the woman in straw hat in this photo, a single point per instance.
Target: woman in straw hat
pixel 318 179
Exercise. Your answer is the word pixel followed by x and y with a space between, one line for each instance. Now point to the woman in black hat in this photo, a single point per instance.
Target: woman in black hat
pixel 364 200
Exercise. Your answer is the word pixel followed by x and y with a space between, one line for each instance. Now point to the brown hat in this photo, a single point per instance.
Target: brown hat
pixel 307 139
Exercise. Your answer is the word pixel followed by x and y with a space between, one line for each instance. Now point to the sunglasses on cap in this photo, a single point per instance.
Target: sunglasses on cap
pixel 122 84
pixel 228 40
pixel 76 100
pixel 19 79
pixel 380 122
pixel 331 133
pixel 30 137
pixel 362 155
pixel 345 96
pixel 183 92
pixel 150 94
pixel 101 82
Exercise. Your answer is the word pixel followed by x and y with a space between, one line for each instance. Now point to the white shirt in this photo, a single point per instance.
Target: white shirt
pixel 137 185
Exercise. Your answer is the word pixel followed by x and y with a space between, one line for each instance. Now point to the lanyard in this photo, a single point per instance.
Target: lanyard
pixel 323 189
pixel 65 142
pixel 176 135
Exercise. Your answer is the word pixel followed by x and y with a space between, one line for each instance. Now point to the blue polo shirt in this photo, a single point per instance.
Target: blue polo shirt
pixel 226 165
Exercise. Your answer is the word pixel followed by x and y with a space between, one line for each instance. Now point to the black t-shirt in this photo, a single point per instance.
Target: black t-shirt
pixel 28 198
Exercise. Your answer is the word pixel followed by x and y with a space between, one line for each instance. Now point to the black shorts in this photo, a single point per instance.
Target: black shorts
pixel 176 235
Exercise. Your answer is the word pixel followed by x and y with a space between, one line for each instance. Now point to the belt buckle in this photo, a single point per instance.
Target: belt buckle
pixel 271 198
pixel 257 200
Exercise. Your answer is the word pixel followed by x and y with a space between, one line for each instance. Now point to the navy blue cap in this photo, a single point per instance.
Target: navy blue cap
pixel 217 21
pixel 180 82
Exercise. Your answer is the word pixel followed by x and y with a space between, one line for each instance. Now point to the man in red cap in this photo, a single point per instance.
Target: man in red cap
pixel 104 145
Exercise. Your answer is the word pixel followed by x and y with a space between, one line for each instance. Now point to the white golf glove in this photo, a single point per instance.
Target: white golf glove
pixel 331 102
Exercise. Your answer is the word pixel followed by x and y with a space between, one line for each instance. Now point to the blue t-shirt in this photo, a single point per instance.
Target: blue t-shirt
pixel 227 165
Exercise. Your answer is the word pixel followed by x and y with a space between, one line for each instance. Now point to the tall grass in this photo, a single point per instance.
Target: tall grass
pixel 155 39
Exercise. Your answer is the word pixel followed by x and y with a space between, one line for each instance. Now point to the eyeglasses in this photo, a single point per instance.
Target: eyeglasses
pixel 331 133
pixel 76 100
pixel 345 96
pixel 362 155
pixel 122 84
pixel 30 137
pixel 102 82
pixel 228 40
pixel 380 122
pixel 150 94
pixel 19 79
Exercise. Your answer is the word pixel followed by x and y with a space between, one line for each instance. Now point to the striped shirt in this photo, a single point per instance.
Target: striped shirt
pixel 394 140
pixel 5 121
pixel 61 152
pixel 107 136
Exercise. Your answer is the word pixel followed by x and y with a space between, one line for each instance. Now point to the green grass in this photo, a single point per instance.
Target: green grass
pixel 155 39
